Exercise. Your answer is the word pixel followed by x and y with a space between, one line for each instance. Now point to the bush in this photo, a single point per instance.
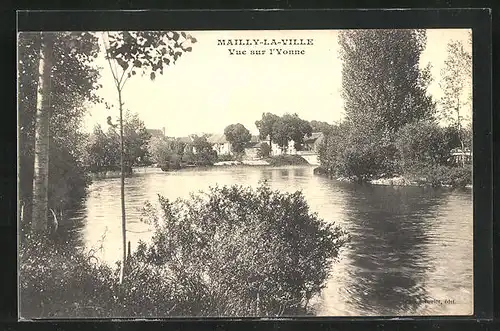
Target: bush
pixel 241 252
pixel 366 160
pixel 57 283
pixel 233 251
pixel 440 175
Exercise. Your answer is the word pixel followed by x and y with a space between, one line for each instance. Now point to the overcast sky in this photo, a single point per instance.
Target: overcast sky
pixel 208 89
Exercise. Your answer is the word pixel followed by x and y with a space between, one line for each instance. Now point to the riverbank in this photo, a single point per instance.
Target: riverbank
pixel 452 180
pixel 274 161
pixel 106 174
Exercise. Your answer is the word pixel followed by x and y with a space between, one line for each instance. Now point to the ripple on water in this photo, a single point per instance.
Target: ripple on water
pixel 408 245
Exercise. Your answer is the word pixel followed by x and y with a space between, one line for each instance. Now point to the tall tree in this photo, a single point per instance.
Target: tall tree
pixel 456 83
pixel 56 78
pixel 238 136
pixel 382 83
pixel 265 126
pixel 41 168
pixel 384 89
pixel 147 52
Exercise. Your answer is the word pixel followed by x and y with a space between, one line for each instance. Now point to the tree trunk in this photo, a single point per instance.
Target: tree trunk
pixel 122 191
pixel 41 162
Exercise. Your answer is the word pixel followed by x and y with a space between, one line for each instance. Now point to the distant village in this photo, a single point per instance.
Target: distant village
pixel 222 146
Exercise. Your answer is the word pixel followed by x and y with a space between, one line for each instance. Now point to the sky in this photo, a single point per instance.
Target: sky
pixel 209 88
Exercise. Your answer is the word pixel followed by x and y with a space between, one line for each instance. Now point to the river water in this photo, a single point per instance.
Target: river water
pixel 411 248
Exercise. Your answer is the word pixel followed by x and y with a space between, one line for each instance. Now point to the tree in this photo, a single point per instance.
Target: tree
pixel 290 127
pixel 264 150
pixel 265 126
pixel 456 83
pixel 103 149
pixel 331 148
pixel 320 126
pixel 238 136
pixel 41 173
pixel 147 52
pixel 383 89
pixel 299 129
pixel 422 144
pixel 136 138
pixel 382 84
pixel 204 153
pixel 281 133
pixel 56 77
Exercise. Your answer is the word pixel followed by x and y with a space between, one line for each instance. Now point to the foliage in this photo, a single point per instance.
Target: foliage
pixel 382 84
pixel 68 178
pixel 288 128
pixel 265 126
pixel 383 89
pixel 332 147
pixel 238 136
pixel 443 175
pixel 264 150
pixel 102 151
pixel 456 83
pixel 233 251
pixel 320 126
pixel 166 151
pixel 74 82
pixel 60 282
pixel 228 157
pixel 201 153
pixel 423 143
pixel 372 156
pixel 135 140
pixel 146 52
pixel 103 148
pixel 241 252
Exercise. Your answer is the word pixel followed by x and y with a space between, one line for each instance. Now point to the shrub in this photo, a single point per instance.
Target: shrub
pixel 56 282
pixel 422 144
pixel 264 150
pixel 440 175
pixel 241 252
pixel 233 251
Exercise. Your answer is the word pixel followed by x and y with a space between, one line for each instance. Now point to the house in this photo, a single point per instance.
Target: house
pixel 189 148
pixel 276 150
pixel 220 144
pixel 313 142
pixel 252 147
pixel 155 133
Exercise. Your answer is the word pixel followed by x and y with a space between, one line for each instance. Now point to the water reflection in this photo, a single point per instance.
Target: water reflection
pixel 408 246
pixel 387 256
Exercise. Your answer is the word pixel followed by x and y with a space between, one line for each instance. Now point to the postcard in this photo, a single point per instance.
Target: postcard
pixel 245 173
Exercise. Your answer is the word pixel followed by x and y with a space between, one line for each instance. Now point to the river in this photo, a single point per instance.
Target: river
pixel 411 248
